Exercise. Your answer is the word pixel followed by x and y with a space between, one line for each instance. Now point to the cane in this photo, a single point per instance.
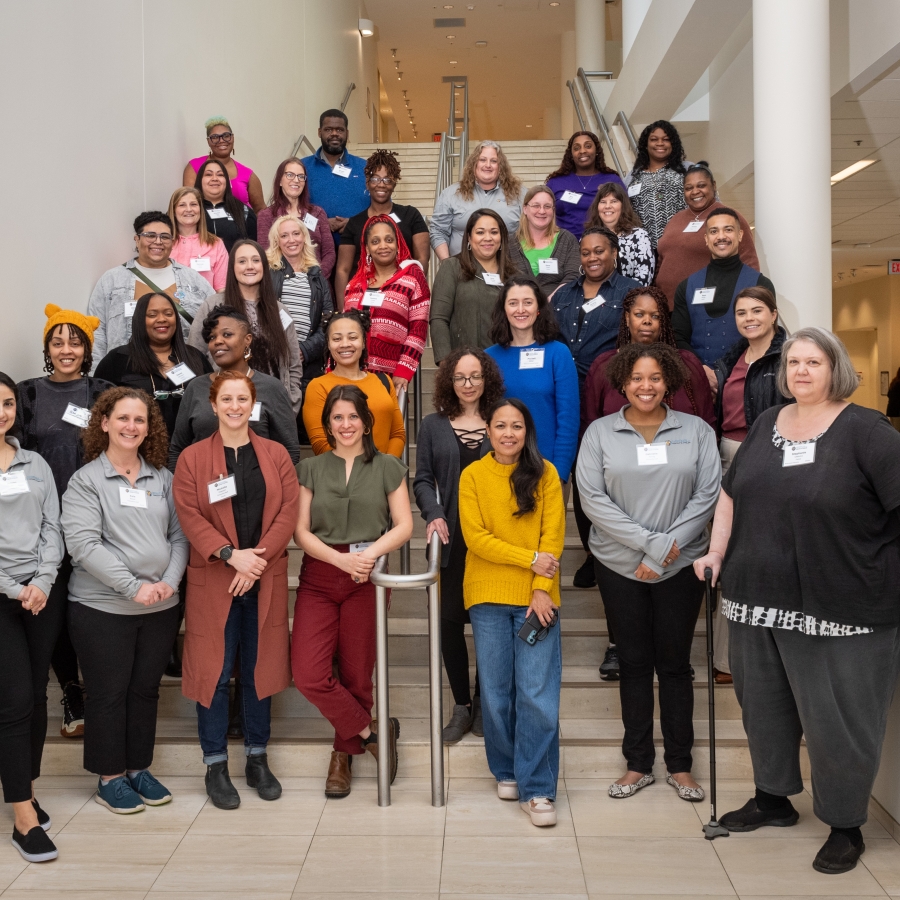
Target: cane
pixel 712 829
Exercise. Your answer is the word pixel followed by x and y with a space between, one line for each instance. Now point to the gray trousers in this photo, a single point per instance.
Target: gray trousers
pixel 836 692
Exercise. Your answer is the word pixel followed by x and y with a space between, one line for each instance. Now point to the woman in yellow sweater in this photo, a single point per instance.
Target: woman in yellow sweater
pixel 513 520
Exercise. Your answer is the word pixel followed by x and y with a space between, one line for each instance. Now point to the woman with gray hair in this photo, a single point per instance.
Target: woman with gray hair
pixel 807 538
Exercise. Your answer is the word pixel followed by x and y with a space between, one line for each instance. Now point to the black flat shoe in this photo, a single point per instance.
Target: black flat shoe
pixel 219 788
pixel 35 846
pixel 260 776
pixel 838 854
pixel 750 817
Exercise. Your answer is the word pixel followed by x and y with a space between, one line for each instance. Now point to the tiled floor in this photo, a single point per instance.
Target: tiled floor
pixel 308 848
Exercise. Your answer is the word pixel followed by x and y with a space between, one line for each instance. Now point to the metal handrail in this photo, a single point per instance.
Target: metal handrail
pixel 598 115
pixel 303 139
pixel 571 86
pixel 403 403
pixel 350 89
pixel 622 119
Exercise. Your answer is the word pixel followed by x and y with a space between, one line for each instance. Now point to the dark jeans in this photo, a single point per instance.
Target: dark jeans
pixel 241 633
pixel 456 661
pixel 654 623
pixel 122 659
pixel 26 645
pixel 65 659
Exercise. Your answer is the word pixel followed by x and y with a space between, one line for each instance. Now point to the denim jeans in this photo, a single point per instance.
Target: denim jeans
pixel 241 631
pixel 520 686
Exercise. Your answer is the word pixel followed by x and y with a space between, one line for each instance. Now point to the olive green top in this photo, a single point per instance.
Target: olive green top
pixel 348 512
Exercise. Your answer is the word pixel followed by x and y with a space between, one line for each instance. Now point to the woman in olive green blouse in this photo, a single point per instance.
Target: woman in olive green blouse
pixel 348 496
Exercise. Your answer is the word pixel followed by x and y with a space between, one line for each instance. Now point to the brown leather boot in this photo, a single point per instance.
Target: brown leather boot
pixel 337 784
pixel 374 740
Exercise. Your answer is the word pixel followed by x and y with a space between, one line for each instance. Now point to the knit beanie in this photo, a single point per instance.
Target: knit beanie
pixel 56 316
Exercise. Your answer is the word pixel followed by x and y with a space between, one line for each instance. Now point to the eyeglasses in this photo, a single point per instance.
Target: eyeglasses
pixel 224 136
pixel 154 238
pixel 294 176
pixel 543 207
pixel 164 395
pixel 474 380
pixel 375 180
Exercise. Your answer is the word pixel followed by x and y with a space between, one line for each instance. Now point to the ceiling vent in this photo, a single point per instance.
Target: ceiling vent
pixel 449 23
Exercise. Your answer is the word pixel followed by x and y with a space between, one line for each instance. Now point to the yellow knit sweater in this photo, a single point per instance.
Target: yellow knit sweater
pixel 501 546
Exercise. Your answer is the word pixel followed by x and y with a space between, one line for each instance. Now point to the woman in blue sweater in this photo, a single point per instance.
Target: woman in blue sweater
pixel 537 368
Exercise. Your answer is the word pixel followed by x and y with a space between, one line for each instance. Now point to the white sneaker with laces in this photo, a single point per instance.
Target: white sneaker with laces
pixel 541 810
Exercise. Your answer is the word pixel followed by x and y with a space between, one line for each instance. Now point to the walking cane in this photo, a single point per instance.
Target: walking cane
pixel 712 829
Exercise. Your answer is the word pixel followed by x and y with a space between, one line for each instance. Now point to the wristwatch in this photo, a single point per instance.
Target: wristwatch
pixel 225 553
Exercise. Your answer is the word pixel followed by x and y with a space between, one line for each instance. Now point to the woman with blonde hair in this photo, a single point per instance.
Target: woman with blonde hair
pixel 194 246
pixel 542 249
pixel 487 182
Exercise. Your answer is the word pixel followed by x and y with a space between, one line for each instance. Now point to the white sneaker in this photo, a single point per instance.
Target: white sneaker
pixel 541 810
pixel 507 790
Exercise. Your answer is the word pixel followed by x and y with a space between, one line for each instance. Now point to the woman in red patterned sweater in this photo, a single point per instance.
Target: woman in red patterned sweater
pixel 392 287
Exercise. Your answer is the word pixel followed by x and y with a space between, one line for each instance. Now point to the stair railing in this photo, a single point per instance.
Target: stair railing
pixel 588 92
pixel 303 139
pixel 350 89
pixel 403 403
pixel 622 119
pixel 577 104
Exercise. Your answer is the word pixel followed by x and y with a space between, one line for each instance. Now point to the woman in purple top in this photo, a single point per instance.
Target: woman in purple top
pixel 576 182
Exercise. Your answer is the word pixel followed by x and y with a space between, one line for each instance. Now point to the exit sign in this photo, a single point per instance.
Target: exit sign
pixel 894 267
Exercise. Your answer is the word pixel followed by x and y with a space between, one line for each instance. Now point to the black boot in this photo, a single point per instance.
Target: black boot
pixel 260 776
pixel 221 791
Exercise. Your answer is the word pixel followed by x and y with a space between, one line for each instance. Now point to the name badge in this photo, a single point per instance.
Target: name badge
pixel 343 171
pixel 703 296
pixel 256 415
pixel 531 359
pixel 181 373
pixel 13 483
pixel 222 489
pixel 132 497
pixel 286 320
pixel 362 545
pixel 372 298
pixel 799 454
pixel 652 455
pixel 571 197
pixel 311 222
pixel 130 307
pixel 548 266
pixel 492 279
pixel 77 415
pixel 220 213
pixel 693 226
pixel 395 217
pixel 634 189
pixel 201 264
pixel 591 305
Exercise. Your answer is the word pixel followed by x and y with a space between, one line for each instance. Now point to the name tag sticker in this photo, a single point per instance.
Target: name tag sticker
pixel 591 305
pixel 693 226
pixel 77 415
pixel 13 483
pixel 493 279
pixel 703 296
pixel 343 171
pixel 220 213
pixel 548 266
pixel 531 359
pixel 311 222
pixel 130 307
pixel 132 497
pixel 652 455
pixel 222 489
pixel 799 454
pixel 634 189
pixel 395 217
pixel 256 415
pixel 372 298
pixel 286 320
pixel 201 264
pixel 362 545
pixel 571 197
pixel 181 373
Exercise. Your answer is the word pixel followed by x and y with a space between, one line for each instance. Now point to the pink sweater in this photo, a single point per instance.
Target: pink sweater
pixel 188 249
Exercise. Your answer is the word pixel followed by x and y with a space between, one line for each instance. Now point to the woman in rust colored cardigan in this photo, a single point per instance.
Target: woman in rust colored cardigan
pixel 237 498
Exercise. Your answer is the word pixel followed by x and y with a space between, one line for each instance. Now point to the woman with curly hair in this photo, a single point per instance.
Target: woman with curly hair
pixel 649 480
pixel 467 384
pixel 656 182
pixel 487 182
pixel 382 176
pixel 128 555
pixel 575 183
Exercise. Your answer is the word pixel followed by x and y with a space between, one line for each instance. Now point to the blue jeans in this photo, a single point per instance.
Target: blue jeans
pixel 520 686
pixel 241 632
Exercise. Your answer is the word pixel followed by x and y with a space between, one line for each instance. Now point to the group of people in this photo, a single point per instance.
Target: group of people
pixel 613 340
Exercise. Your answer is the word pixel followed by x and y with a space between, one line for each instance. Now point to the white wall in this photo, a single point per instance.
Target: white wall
pixel 104 103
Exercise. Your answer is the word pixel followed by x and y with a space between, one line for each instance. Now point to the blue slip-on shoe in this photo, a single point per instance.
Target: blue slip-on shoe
pixel 118 796
pixel 151 791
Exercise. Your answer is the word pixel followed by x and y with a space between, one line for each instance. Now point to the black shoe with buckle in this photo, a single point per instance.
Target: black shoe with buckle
pixel 73 711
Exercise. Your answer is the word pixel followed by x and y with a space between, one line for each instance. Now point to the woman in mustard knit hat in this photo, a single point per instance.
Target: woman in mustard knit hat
pixel 51 413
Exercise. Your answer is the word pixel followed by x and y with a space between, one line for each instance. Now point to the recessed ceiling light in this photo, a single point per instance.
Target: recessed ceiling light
pixel 399 75
pixel 528 126
pixel 554 3
pixel 481 43
pixel 852 170
pixel 450 37
pixel 452 62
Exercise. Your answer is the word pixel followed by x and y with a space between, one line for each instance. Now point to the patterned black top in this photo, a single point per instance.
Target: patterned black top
pixel 661 195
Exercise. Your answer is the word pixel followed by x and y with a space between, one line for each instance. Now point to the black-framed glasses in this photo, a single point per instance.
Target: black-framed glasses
pixel 294 176
pixel 224 136
pixel 153 237
pixel 375 180
pixel 474 380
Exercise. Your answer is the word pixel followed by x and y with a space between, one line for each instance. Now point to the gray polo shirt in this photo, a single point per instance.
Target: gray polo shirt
pixel 31 545
pixel 116 548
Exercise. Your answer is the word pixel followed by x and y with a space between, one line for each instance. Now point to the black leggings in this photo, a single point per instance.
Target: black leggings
pixel 456 661
pixel 26 645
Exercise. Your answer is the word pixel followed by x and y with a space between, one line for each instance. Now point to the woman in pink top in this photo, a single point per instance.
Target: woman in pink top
pixel 194 246
pixel 245 185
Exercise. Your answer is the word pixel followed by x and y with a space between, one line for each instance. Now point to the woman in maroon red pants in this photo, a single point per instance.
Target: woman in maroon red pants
pixel 347 498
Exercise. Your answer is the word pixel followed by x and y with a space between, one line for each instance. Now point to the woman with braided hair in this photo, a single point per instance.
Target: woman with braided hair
pixel 382 174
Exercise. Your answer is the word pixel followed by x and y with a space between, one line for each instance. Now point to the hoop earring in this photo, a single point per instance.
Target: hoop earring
pixel 368 431
pixel 247 353
pixel 581 270
pixel 468 245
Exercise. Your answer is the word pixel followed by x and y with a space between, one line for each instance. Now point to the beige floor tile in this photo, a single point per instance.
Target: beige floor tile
pixel 234 863
pixel 529 865
pixel 172 818
pixel 206 895
pixel 318 895
pixel 624 866
pixel 653 812
pixel 410 813
pixel 470 815
pixel 64 894
pixel 666 897
pixel 11 866
pixel 882 859
pixel 373 863
pixel 60 805
pixel 446 896
pixel 774 866
pixel 295 812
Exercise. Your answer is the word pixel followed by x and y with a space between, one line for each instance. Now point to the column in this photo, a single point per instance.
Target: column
pixel 567 70
pixel 590 35
pixel 633 12
pixel 791 96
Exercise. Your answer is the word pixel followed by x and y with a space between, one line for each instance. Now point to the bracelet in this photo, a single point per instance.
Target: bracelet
pixel 533 561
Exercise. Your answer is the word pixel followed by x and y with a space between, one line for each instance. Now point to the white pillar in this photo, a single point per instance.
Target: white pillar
pixel 791 96
pixel 567 70
pixel 590 35
pixel 633 12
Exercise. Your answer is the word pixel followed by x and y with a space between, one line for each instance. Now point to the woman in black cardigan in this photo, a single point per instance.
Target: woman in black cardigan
pixel 467 383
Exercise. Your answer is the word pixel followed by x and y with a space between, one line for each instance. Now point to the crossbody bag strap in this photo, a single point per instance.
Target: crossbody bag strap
pixel 181 310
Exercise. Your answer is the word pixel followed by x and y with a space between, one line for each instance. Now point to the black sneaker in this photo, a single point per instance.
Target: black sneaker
pixel 73 711
pixel 750 817
pixel 838 854
pixel 35 846
pixel 609 668
pixel 43 818
pixel 585 576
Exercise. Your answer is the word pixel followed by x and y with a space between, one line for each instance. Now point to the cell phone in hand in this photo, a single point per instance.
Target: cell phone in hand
pixel 533 631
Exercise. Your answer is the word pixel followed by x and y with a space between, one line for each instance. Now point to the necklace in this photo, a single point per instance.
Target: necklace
pixel 584 187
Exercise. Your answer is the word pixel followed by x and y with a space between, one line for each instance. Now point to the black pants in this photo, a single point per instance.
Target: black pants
pixel 654 622
pixel 26 645
pixel 65 659
pixel 456 661
pixel 122 659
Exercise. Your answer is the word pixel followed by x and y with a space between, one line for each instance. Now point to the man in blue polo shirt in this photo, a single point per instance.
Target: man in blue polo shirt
pixel 336 178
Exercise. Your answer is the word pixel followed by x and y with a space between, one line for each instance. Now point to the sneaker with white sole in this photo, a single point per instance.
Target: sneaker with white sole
pixel 507 790
pixel 541 810
pixel 149 789
pixel 119 796
pixel 36 846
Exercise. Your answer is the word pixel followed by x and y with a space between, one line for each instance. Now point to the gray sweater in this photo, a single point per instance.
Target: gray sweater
pixel 638 511
pixel 451 212
pixel 567 254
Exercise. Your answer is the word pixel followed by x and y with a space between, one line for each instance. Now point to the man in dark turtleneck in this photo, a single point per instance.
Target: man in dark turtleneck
pixel 703 317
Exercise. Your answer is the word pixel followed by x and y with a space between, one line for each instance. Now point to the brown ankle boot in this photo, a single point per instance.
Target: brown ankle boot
pixel 373 742
pixel 337 784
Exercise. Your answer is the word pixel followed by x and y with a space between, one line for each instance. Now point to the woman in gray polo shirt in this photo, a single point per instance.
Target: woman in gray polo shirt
pixel 128 554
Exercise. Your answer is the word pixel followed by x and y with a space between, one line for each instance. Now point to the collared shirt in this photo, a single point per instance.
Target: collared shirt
pixel 249 501
pixel 588 334
pixel 337 195
pixel 115 548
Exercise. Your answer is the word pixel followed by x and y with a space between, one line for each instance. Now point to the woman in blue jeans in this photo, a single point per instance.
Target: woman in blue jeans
pixel 513 522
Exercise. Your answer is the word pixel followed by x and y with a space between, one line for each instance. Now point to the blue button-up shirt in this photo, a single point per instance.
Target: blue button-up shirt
pixel 590 334
pixel 337 195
